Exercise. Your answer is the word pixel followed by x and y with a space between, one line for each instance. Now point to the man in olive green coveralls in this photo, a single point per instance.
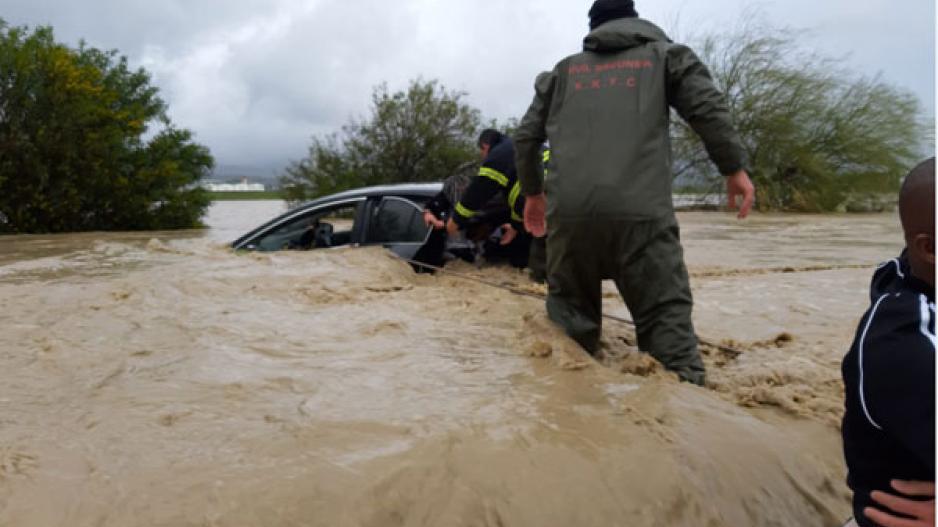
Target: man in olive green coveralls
pixel 608 192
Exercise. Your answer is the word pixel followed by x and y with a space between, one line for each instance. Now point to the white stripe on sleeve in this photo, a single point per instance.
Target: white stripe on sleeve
pixel 866 328
pixel 925 313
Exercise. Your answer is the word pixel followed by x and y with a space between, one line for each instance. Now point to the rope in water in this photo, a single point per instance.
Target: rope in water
pixel 733 352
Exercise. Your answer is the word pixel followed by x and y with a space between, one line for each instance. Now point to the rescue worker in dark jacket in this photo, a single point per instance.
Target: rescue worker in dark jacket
pixel 496 175
pixel 889 374
pixel 440 208
pixel 608 191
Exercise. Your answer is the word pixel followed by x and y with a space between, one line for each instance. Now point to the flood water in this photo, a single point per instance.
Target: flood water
pixel 162 379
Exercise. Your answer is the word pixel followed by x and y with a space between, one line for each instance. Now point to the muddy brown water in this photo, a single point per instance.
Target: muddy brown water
pixel 161 379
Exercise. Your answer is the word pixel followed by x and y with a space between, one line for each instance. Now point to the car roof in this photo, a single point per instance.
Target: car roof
pixel 399 189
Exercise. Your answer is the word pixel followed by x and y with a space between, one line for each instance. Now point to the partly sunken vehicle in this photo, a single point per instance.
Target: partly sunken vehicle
pixel 390 215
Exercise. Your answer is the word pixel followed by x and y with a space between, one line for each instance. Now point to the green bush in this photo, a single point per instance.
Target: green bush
pixel 814 132
pixel 73 152
pixel 421 134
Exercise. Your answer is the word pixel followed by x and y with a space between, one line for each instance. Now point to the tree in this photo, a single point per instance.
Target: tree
pixel 815 133
pixel 421 134
pixel 72 150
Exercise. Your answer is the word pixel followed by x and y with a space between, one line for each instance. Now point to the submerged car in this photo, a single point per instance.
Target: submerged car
pixel 389 215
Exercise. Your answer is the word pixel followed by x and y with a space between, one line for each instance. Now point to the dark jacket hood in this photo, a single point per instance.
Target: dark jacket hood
pixel 623 33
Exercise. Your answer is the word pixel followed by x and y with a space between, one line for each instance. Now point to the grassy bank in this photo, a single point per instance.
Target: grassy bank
pixel 239 196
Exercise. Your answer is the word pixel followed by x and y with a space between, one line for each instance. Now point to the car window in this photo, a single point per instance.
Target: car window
pixel 397 220
pixel 320 228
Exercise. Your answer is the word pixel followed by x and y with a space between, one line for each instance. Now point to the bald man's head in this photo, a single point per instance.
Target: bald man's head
pixel 917 212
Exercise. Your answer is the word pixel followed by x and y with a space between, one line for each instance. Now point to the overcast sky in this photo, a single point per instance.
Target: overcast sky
pixel 255 79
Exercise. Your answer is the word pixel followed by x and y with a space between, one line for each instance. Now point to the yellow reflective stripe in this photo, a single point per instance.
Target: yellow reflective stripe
pixel 513 195
pixel 512 198
pixel 464 212
pixel 546 157
pixel 494 175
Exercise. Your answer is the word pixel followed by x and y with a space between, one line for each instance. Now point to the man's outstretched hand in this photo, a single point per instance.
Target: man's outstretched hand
pixel 430 220
pixel 535 211
pixel 738 184
pixel 920 513
pixel 508 234
pixel 451 228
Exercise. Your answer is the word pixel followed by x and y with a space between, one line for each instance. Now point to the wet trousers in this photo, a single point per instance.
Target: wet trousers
pixel 537 259
pixel 645 260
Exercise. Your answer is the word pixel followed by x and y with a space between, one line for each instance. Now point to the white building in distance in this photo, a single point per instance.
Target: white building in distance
pixel 243 186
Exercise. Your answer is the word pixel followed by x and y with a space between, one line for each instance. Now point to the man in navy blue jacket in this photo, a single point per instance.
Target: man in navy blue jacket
pixel 889 376
pixel 497 176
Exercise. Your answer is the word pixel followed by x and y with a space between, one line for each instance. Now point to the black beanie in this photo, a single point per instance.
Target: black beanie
pixel 605 10
pixel 490 137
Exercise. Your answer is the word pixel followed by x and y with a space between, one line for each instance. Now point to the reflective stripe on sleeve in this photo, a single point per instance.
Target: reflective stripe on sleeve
pixel 494 175
pixel 512 199
pixel 464 212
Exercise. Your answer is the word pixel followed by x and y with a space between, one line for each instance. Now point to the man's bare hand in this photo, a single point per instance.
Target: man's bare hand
pixel 739 184
pixel 535 211
pixel 508 234
pixel 451 228
pixel 921 513
pixel 430 220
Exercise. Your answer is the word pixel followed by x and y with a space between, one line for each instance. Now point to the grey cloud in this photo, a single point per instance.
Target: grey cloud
pixel 256 78
pixel 128 25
